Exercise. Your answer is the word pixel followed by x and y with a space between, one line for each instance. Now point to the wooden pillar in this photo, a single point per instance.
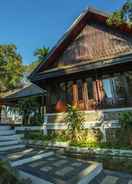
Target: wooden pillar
pixel 95 89
pixel 75 93
pixel 98 91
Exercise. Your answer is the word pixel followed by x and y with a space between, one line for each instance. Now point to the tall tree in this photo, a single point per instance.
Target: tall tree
pixel 11 68
pixel 124 14
pixel 40 55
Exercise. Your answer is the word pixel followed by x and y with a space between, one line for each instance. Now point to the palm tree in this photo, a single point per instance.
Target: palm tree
pixel 41 53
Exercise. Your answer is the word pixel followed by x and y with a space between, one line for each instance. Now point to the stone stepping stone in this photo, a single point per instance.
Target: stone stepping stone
pixel 46 169
pixel 110 180
pixel 60 163
pixel 60 170
pixel 37 164
pixel 130 182
pixel 76 164
pixel 64 171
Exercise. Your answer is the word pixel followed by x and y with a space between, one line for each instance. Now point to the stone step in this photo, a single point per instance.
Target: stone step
pixel 32 158
pixel 110 180
pixel 7 148
pixel 130 182
pixel 3 127
pixel 33 178
pixel 22 154
pixel 9 137
pixel 16 150
pixel 7 132
pixel 7 143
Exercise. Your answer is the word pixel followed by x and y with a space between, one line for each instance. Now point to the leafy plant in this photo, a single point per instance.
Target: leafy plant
pixel 9 175
pixel 75 120
pixel 61 137
pixel 125 118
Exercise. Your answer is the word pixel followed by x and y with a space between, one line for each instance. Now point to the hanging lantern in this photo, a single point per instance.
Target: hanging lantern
pixel 60 106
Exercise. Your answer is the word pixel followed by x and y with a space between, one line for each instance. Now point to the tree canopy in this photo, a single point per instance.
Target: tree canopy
pixel 40 55
pixel 11 69
pixel 124 14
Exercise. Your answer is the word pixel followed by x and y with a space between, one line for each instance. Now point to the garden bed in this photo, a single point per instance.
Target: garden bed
pixel 91 151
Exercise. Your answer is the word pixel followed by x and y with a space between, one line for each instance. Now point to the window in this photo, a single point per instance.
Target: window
pixel 114 87
pixel 107 88
pixel 118 87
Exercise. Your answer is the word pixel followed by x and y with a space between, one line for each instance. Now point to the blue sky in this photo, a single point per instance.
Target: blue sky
pixel 30 24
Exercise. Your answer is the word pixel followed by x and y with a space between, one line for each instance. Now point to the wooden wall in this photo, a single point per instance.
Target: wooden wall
pixel 93 43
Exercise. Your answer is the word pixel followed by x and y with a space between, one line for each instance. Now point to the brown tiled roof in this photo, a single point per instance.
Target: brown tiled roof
pixel 75 29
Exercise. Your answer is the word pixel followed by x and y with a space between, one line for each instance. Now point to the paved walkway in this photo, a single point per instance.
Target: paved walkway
pixel 48 167
pixel 111 177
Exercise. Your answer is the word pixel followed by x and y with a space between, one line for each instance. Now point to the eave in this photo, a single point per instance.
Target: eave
pixel 96 65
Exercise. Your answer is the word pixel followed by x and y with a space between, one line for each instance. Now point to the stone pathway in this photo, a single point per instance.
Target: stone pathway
pixel 44 166
pixel 49 167
pixel 111 177
pixel 58 169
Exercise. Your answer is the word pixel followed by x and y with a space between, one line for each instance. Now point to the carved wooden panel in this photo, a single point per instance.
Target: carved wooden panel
pixel 93 43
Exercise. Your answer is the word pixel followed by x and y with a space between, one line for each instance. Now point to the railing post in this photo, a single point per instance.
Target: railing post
pixel 45 124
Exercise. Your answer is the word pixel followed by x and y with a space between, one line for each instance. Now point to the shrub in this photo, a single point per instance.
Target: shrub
pixel 125 119
pixel 9 175
pixel 62 136
pixel 89 137
pixel 74 120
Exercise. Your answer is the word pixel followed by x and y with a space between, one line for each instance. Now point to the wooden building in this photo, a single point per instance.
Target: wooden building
pixel 90 66
pixel 12 98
